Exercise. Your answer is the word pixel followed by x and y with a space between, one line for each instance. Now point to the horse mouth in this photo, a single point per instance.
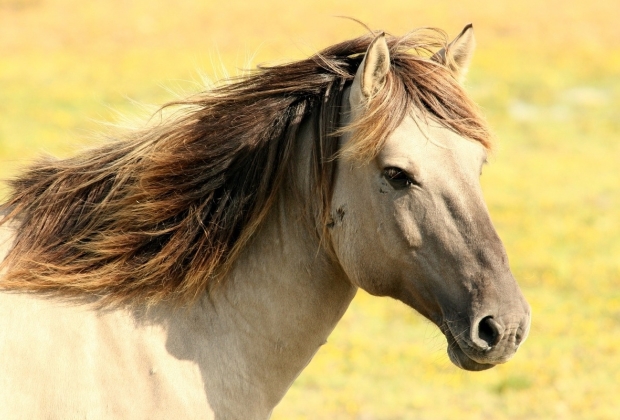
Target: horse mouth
pixel 460 359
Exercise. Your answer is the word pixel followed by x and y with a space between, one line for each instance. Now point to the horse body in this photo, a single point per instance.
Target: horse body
pixel 232 354
pixel 406 221
pixel 69 362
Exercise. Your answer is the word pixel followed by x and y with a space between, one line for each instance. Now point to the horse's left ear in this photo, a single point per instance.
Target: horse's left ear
pixel 370 75
pixel 457 55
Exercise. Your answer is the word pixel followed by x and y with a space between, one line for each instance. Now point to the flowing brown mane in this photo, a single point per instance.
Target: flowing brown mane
pixel 163 212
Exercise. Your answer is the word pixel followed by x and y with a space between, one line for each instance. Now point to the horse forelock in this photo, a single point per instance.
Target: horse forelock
pixel 162 213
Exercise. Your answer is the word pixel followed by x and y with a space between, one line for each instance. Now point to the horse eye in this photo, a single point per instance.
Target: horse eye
pixel 397 178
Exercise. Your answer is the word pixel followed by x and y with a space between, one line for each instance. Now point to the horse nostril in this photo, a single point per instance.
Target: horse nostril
pixel 489 331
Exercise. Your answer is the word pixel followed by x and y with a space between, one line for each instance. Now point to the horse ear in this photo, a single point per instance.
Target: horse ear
pixel 370 75
pixel 457 55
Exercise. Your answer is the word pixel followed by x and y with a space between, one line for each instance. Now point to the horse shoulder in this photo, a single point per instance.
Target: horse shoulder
pixel 77 362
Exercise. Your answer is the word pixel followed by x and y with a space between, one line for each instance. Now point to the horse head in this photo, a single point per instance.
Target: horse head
pixel 410 222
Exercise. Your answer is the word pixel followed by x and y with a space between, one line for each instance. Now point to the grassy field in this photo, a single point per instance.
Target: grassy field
pixel 547 74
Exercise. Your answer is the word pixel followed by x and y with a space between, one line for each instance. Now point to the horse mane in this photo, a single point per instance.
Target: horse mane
pixel 162 212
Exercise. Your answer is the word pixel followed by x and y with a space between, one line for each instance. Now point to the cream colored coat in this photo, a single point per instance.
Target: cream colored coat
pixel 234 353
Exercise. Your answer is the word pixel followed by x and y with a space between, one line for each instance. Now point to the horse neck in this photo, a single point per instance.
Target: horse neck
pixel 283 297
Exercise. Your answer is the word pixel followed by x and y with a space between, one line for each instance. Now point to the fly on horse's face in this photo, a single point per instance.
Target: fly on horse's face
pixel 412 224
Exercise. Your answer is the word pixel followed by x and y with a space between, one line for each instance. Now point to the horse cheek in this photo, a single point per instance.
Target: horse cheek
pixel 408 225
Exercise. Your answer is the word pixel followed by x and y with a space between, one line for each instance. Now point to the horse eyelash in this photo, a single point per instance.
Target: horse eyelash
pixel 398 178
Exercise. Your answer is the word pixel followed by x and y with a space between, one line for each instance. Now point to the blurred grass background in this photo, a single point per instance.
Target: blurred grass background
pixel 547 74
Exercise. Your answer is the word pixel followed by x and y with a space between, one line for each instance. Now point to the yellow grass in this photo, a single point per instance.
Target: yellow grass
pixel 547 74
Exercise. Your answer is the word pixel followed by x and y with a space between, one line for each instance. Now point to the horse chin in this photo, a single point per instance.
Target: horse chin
pixel 460 359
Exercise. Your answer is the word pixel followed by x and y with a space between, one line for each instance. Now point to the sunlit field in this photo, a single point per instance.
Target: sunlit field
pixel 546 73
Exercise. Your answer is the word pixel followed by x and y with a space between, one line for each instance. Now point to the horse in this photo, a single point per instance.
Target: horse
pixel 192 267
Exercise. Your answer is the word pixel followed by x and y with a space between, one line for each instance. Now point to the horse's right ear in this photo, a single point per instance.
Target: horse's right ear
pixel 370 75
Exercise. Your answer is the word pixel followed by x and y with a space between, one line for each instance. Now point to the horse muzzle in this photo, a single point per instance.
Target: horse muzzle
pixel 487 342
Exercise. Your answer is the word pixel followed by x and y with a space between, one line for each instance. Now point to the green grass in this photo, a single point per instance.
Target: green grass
pixel 547 74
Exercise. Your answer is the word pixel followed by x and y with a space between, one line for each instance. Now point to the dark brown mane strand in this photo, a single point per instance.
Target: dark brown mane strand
pixel 162 213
